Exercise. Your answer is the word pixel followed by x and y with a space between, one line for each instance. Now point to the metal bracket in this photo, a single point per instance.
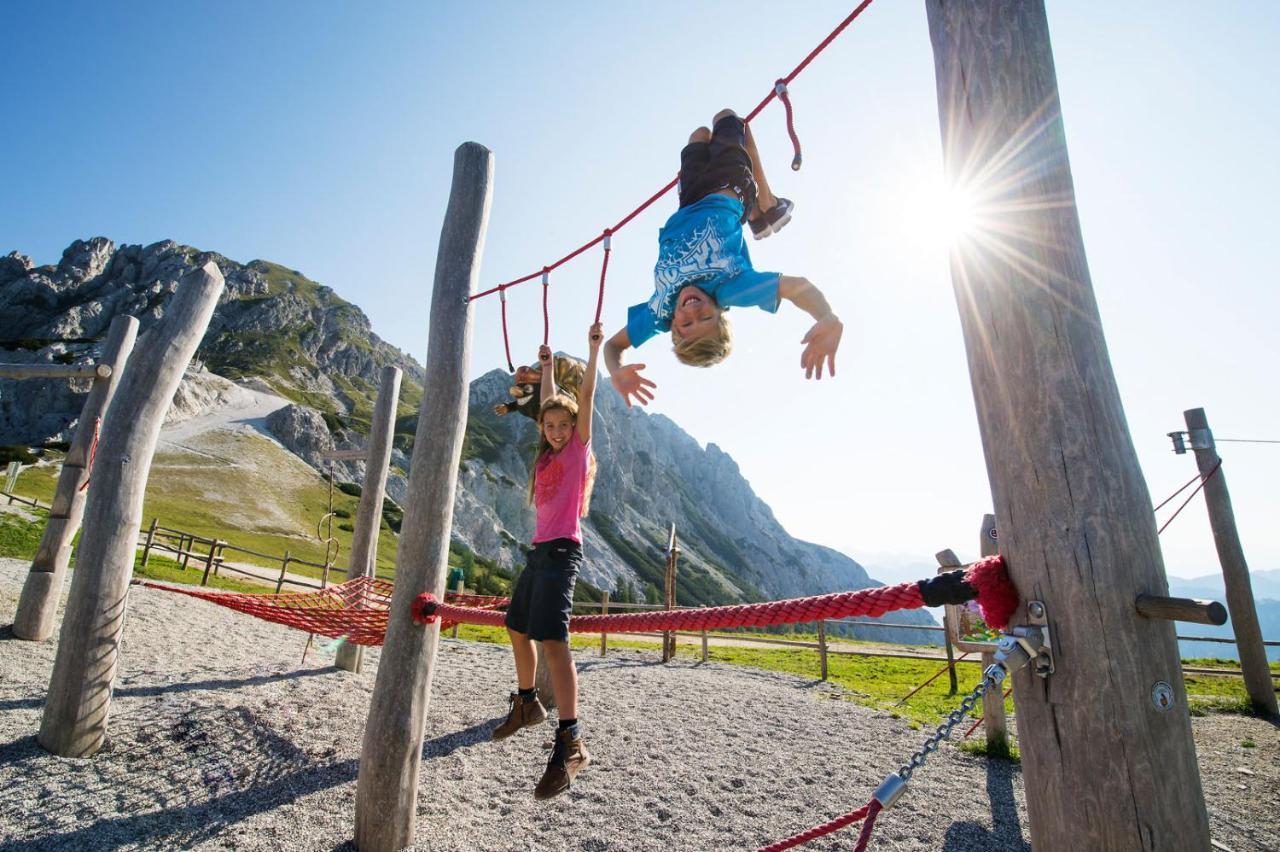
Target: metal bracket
pixel 1033 639
pixel 1196 439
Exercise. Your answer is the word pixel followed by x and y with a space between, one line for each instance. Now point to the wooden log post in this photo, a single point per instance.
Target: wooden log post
pixel 284 568
pixel 822 648
pixel 364 541
pixel 1235 570
pixel 209 561
pixel 1181 609
pixel 185 544
pixel 1106 765
pixel 387 786
pixel 38 603
pixel 704 642
pixel 995 725
pixel 151 540
pixel 460 588
pixel 100 370
pixel 75 714
pixel 669 595
pixel 604 637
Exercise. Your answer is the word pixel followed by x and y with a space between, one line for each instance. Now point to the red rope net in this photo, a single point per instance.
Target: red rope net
pixel 355 610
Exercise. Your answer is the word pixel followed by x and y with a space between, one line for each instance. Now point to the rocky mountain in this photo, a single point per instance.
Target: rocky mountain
pixel 277 331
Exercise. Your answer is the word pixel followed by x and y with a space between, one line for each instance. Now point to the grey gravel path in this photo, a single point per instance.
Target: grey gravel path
pixel 221 739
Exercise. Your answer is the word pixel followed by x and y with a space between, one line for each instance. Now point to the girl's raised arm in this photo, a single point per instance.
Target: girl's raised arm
pixel 586 396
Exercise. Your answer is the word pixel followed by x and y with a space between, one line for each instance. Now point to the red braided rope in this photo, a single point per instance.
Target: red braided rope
pixel 93 453
pixel 783 95
pixel 1190 497
pixel 995 595
pixel 506 339
pixel 795 72
pixel 546 314
pixel 604 270
pixel 867 811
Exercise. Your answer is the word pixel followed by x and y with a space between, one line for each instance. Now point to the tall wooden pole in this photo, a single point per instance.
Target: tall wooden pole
pixel 364 542
pixel 995 726
pixel 39 601
pixel 74 723
pixel 1107 765
pixel 1235 571
pixel 387 787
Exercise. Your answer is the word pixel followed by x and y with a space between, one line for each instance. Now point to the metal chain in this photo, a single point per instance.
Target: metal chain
pixel 992 676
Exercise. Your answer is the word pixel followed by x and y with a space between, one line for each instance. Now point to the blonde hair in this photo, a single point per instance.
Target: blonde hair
pixel 705 351
pixel 561 402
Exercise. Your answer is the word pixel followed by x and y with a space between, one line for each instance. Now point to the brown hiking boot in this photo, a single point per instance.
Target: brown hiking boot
pixel 568 757
pixel 524 712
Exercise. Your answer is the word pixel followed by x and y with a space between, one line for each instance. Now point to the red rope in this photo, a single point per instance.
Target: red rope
pixel 781 88
pixel 948 667
pixel 795 72
pixel 1206 478
pixel 995 595
pixel 93 453
pixel 546 314
pixel 506 339
pixel 867 811
pixel 604 270
pixel 1176 493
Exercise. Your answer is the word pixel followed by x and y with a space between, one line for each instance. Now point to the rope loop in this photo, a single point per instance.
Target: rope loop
pixel 784 95
pixel 546 311
pixel 506 339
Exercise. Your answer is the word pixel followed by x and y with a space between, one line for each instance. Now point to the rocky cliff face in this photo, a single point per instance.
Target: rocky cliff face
pixel 277 331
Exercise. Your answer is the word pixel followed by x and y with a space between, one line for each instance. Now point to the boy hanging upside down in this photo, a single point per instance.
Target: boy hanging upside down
pixel 703 267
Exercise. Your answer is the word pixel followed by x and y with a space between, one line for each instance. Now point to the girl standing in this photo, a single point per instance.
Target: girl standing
pixel 560 491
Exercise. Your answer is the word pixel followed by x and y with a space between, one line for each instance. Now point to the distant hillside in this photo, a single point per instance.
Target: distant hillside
pixel 1266 592
pixel 276 330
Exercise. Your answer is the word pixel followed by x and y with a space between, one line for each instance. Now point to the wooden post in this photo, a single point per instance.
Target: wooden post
pixel 75 714
pixel 151 537
pixel 208 562
pixel 822 648
pixel 604 637
pixel 994 723
pixel 1235 571
pixel 1106 766
pixel 57 371
pixel 43 588
pixel 1181 609
pixel 387 787
pixel 185 543
pixel 364 541
pixel 284 567
pixel 704 641
pixel 669 595
pixel 951 653
pixel 460 588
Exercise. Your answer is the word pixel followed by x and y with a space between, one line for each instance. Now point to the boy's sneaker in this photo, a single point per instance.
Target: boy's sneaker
pixel 772 220
pixel 568 757
pixel 524 712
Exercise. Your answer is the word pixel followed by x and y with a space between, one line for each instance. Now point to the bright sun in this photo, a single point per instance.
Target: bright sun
pixel 956 214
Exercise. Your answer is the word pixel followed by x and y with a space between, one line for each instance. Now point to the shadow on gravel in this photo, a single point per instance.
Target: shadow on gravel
pixel 446 744
pixel 1006 831
pixel 192 686
pixel 172 778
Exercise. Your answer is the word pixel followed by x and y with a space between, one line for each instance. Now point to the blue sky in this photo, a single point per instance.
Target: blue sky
pixel 320 135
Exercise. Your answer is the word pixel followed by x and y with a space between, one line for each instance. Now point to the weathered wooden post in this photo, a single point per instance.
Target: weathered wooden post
pixel 39 600
pixel 822 647
pixel 387 787
pixel 209 561
pixel 460 588
pixel 995 724
pixel 75 714
pixel 604 637
pixel 151 540
pixel 1107 765
pixel 364 541
pixel 1235 570
pixel 669 594
pixel 284 568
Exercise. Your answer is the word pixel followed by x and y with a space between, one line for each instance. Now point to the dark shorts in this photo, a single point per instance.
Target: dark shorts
pixel 543 597
pixel 722 163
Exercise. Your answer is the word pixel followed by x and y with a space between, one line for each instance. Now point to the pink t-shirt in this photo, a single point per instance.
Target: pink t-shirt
pixel 559 482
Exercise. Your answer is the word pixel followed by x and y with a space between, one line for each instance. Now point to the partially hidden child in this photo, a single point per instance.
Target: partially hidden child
pixel 704 268
pixel 560 491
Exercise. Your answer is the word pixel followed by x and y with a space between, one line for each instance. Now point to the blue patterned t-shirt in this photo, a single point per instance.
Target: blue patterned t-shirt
pixel 702 244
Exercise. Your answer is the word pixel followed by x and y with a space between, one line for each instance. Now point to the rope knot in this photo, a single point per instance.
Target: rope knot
pixel 424 608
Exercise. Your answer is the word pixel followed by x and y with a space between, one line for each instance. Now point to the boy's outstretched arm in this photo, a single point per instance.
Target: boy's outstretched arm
pixel 547 362
pixel 822 341
pixel 626 378
pixel 587 393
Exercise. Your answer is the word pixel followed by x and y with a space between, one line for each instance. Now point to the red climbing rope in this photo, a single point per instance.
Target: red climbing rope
pixel 546 314
pixel 1205 479
pixel 93 453
pixel 867 812
pixel 779 91
pixel 985 580
pixel 604 270
pixel 506 338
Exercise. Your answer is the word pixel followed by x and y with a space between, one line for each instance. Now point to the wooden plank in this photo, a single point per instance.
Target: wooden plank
pixel 1104 766
pixel 364 541
pixel 1181 609
pixel 387 786
pixel 1235 570
pixel 58 371
pixel 75 714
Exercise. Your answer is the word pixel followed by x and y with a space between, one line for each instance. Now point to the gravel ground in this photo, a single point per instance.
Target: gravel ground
pixel 221 739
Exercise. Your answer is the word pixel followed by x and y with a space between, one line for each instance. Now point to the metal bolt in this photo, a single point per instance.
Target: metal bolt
pixel 1036 609
pixel 1162 696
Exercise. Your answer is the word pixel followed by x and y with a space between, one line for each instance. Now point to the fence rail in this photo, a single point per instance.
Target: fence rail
pixel 26 501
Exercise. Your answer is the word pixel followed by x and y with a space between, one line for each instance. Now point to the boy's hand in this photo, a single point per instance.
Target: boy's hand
pixel 595 337
pixel 628 382
pixel 821 344
pixel 544 355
